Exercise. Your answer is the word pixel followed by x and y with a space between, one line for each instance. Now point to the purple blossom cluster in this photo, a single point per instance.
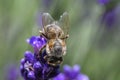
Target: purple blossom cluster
pixel 33 66
pixel 109 16
pixel 71 73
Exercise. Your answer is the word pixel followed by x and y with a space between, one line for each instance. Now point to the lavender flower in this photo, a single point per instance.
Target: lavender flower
pixel 71 74
pixel 47 3
pixel 33 66
pixel 109 15
pixel 36 42
pixel 103 2
pixel 12 73
pixel 109 18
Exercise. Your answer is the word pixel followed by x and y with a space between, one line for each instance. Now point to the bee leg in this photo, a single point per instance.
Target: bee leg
pixel 51 64
pixel 45 57
pixel 66 36
pixel 43 34
pixel 60 60
pixel 40 51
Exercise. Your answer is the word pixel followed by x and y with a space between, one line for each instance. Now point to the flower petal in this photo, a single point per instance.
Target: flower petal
pixel 82 77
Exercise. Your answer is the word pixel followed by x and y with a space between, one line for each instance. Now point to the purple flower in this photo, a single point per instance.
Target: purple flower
pixel 109 18
pixel 12 73
pixel 47 3
pixel 71 73
pixel 103 2
pixel 33 66
pixel 109 15
pixel 37 42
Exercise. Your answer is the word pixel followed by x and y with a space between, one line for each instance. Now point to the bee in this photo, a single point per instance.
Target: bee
pixel 56 33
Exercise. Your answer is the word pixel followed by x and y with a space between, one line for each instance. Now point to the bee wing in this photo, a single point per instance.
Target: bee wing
pixel 46 19
pixel 64 22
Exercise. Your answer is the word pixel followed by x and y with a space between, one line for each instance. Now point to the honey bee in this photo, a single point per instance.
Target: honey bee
pixel 56 33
